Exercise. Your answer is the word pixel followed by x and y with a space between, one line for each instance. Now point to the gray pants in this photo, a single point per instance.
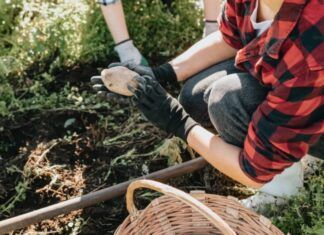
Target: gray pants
pixel 223 98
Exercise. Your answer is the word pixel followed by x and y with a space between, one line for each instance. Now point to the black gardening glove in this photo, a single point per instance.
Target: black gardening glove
pixel 103 93
pixel 164 74
pixel 161 108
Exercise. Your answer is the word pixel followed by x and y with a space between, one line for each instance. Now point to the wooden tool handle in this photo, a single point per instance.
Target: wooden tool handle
pixel 116 79
pixel 216 220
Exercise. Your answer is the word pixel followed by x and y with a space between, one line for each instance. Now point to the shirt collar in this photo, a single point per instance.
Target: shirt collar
pixel 284 22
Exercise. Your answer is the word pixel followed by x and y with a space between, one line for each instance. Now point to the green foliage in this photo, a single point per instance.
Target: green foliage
pixel 40 38
pixel 8 14
pixel 45 31
pixel 21 189
pixel 158 32
pixel 49 35
pixel 303 214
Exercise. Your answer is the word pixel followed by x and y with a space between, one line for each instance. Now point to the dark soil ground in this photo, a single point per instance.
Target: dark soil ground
pixel 50 159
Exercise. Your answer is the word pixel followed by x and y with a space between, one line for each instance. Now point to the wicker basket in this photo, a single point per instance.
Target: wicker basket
pixel 198 213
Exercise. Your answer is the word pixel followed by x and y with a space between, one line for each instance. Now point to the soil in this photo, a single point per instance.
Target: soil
pixel 47 162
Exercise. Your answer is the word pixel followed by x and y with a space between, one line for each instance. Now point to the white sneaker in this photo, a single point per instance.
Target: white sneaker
pixel 284 185
pixel 278 190
pixel 260 200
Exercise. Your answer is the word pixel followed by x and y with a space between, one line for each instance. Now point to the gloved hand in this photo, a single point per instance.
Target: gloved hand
pixel 164 74
pixel 104 93
pixel 102 90
pixel 161 108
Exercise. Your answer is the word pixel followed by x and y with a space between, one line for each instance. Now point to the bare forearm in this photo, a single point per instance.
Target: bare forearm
pixel 221 155
pixel 205 53
pixel 115 19
pixel 212 9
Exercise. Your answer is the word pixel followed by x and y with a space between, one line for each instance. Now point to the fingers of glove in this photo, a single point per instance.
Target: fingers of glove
pixel 148 80
pixel 138 103
pixel 140 69
pixel 158 89
pixel 141 80
pixel 149 90
pixel 102 94
pixel 144 82
pixel 134 101
pixel 107 95
pixel 142 87
pixel 131 88
pixel 96 80
pixel 110 95
pixel 117 98
pixel 150 95
pixel 131 66
pixel 128 65
pixel 115 64
pixel 99 87
pixel 137 93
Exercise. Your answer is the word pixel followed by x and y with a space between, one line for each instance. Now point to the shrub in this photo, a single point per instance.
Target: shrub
pixel 159 33
pixel 52 35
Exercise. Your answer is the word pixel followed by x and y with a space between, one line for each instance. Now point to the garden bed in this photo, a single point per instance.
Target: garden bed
pixel 58 141
pixel 57 154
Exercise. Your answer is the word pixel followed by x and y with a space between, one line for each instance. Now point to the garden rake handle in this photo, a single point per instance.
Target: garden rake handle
pixel 90 199
pixel 209 214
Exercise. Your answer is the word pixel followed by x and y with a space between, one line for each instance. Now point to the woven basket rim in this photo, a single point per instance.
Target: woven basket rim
pixel 231 212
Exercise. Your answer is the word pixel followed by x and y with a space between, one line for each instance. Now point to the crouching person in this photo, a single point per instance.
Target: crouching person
pixel 258 83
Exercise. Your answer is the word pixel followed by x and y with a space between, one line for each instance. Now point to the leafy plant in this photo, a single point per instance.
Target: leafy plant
pixel 303 214
pixel 41 38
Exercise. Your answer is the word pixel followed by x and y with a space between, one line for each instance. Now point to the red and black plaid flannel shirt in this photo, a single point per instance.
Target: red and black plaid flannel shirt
pixel 288 58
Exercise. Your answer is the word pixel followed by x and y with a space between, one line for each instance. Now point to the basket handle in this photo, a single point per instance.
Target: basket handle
pixel 216 220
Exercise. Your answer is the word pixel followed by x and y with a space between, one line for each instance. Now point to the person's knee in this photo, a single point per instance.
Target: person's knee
pixel 192 100
pixel 194 95
pixel 226 112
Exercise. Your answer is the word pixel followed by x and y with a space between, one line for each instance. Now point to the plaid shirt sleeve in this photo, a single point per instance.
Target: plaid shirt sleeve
pixel 284 125
pixel 228 25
